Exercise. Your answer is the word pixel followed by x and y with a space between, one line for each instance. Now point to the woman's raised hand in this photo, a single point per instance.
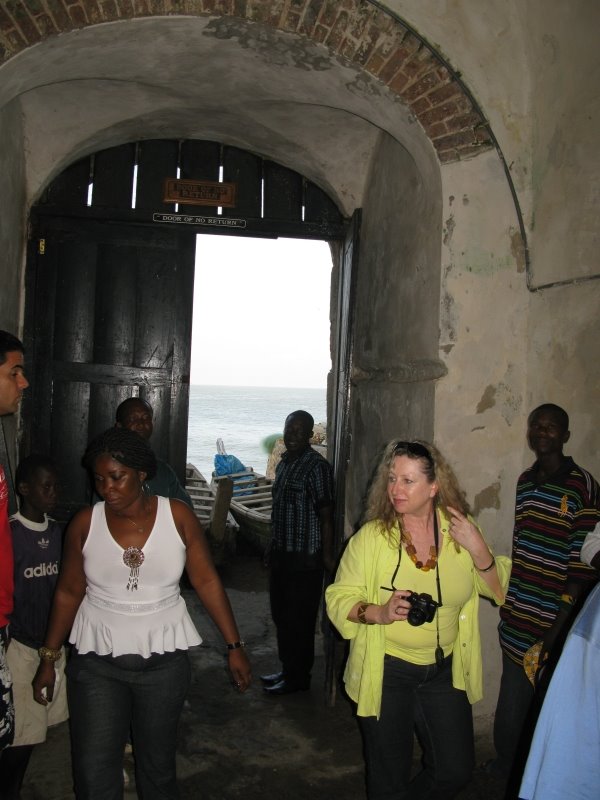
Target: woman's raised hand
pixel 468 535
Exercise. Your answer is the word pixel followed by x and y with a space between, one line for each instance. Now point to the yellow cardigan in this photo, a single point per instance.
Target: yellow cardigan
pixel 358 580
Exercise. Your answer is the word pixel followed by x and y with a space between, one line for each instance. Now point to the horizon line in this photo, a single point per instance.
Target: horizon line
pixel 254 386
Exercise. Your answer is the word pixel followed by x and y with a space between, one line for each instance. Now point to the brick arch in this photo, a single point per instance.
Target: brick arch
pixel 357 31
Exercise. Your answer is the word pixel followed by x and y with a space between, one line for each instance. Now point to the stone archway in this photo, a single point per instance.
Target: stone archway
pixel 343 93
pixel 359 33
pixel 343 117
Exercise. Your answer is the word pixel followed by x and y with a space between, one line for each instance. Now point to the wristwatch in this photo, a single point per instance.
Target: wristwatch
pixel 48 654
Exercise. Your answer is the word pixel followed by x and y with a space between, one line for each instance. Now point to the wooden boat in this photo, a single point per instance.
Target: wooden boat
pixel 251 503
pixel 211 506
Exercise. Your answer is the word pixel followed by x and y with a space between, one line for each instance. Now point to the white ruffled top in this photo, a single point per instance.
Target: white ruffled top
pixel 150 619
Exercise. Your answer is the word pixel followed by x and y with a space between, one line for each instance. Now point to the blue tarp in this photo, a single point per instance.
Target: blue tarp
pixel 227 465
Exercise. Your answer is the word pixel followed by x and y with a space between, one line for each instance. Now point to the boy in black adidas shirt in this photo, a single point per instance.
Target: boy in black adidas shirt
pixel 37 543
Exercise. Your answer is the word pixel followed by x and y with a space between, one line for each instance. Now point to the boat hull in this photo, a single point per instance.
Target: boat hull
pixel 214 514
pixel 256 532
pixel 251 507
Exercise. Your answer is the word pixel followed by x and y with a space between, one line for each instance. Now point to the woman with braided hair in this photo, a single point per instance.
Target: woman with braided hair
pixel 118 596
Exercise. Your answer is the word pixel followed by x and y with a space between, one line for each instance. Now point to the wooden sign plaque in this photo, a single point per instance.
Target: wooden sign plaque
pixel 199 193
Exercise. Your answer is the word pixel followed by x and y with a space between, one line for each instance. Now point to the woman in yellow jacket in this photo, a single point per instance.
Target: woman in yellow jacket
pixel 406 595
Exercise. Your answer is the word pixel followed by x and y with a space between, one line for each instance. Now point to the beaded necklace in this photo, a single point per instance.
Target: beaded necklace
pixel 411 552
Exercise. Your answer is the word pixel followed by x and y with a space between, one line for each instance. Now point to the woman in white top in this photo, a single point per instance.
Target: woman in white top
pixel 118 596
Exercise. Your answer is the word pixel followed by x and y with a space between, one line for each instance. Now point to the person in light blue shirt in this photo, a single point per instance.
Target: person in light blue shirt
pixel 590 551
pixel 564 759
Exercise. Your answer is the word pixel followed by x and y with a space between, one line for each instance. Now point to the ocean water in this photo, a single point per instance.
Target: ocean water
pixel 243 416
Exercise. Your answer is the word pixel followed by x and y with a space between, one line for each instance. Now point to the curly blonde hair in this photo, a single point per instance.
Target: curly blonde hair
pixel 435 468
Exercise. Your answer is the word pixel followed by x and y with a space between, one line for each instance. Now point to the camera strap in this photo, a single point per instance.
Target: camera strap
pixel 439 653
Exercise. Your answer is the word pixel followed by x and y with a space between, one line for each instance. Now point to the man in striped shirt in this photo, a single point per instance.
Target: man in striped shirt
pixel 557 504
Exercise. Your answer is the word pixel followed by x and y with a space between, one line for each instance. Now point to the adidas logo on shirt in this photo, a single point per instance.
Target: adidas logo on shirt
pixel 51 568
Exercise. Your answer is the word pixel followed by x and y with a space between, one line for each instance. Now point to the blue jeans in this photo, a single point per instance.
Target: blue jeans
pixel 421 699
pixel 108 698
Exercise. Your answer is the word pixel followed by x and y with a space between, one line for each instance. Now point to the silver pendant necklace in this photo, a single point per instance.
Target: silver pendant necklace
pixel 133 557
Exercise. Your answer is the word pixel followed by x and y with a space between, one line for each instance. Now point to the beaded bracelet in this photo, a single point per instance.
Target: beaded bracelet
pixel 235 645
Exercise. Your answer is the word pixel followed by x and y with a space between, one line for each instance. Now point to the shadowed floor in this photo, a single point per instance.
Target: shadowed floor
pixel 250 746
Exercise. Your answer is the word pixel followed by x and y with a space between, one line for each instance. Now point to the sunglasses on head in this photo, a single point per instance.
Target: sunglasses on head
pixel 414 449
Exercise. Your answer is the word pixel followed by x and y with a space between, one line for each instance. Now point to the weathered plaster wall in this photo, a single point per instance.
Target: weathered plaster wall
pixel 487 43
pixel 564 320
pixel 565 113
pixel 537 79
pixel 397 311
pixel 563 331
pixel 480 406
pixel 12 215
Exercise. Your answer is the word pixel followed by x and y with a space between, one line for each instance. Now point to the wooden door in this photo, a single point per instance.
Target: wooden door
pixel 342 369
pixel 340 423
pixel 108 316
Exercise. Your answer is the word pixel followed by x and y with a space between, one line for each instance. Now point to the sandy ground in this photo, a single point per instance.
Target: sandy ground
pixel 251 746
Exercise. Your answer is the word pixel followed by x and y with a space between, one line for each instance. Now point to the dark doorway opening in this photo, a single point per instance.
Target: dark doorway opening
pixel 109 286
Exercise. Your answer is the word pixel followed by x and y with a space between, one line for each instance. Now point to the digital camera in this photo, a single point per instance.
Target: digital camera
pixel 423 608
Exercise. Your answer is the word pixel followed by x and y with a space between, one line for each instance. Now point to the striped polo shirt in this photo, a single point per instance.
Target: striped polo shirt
pixel 552 520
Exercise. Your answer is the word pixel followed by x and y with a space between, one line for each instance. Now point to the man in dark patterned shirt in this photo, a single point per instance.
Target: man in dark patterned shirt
pixel 137 415
pixel 301 547
pixel 557 504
